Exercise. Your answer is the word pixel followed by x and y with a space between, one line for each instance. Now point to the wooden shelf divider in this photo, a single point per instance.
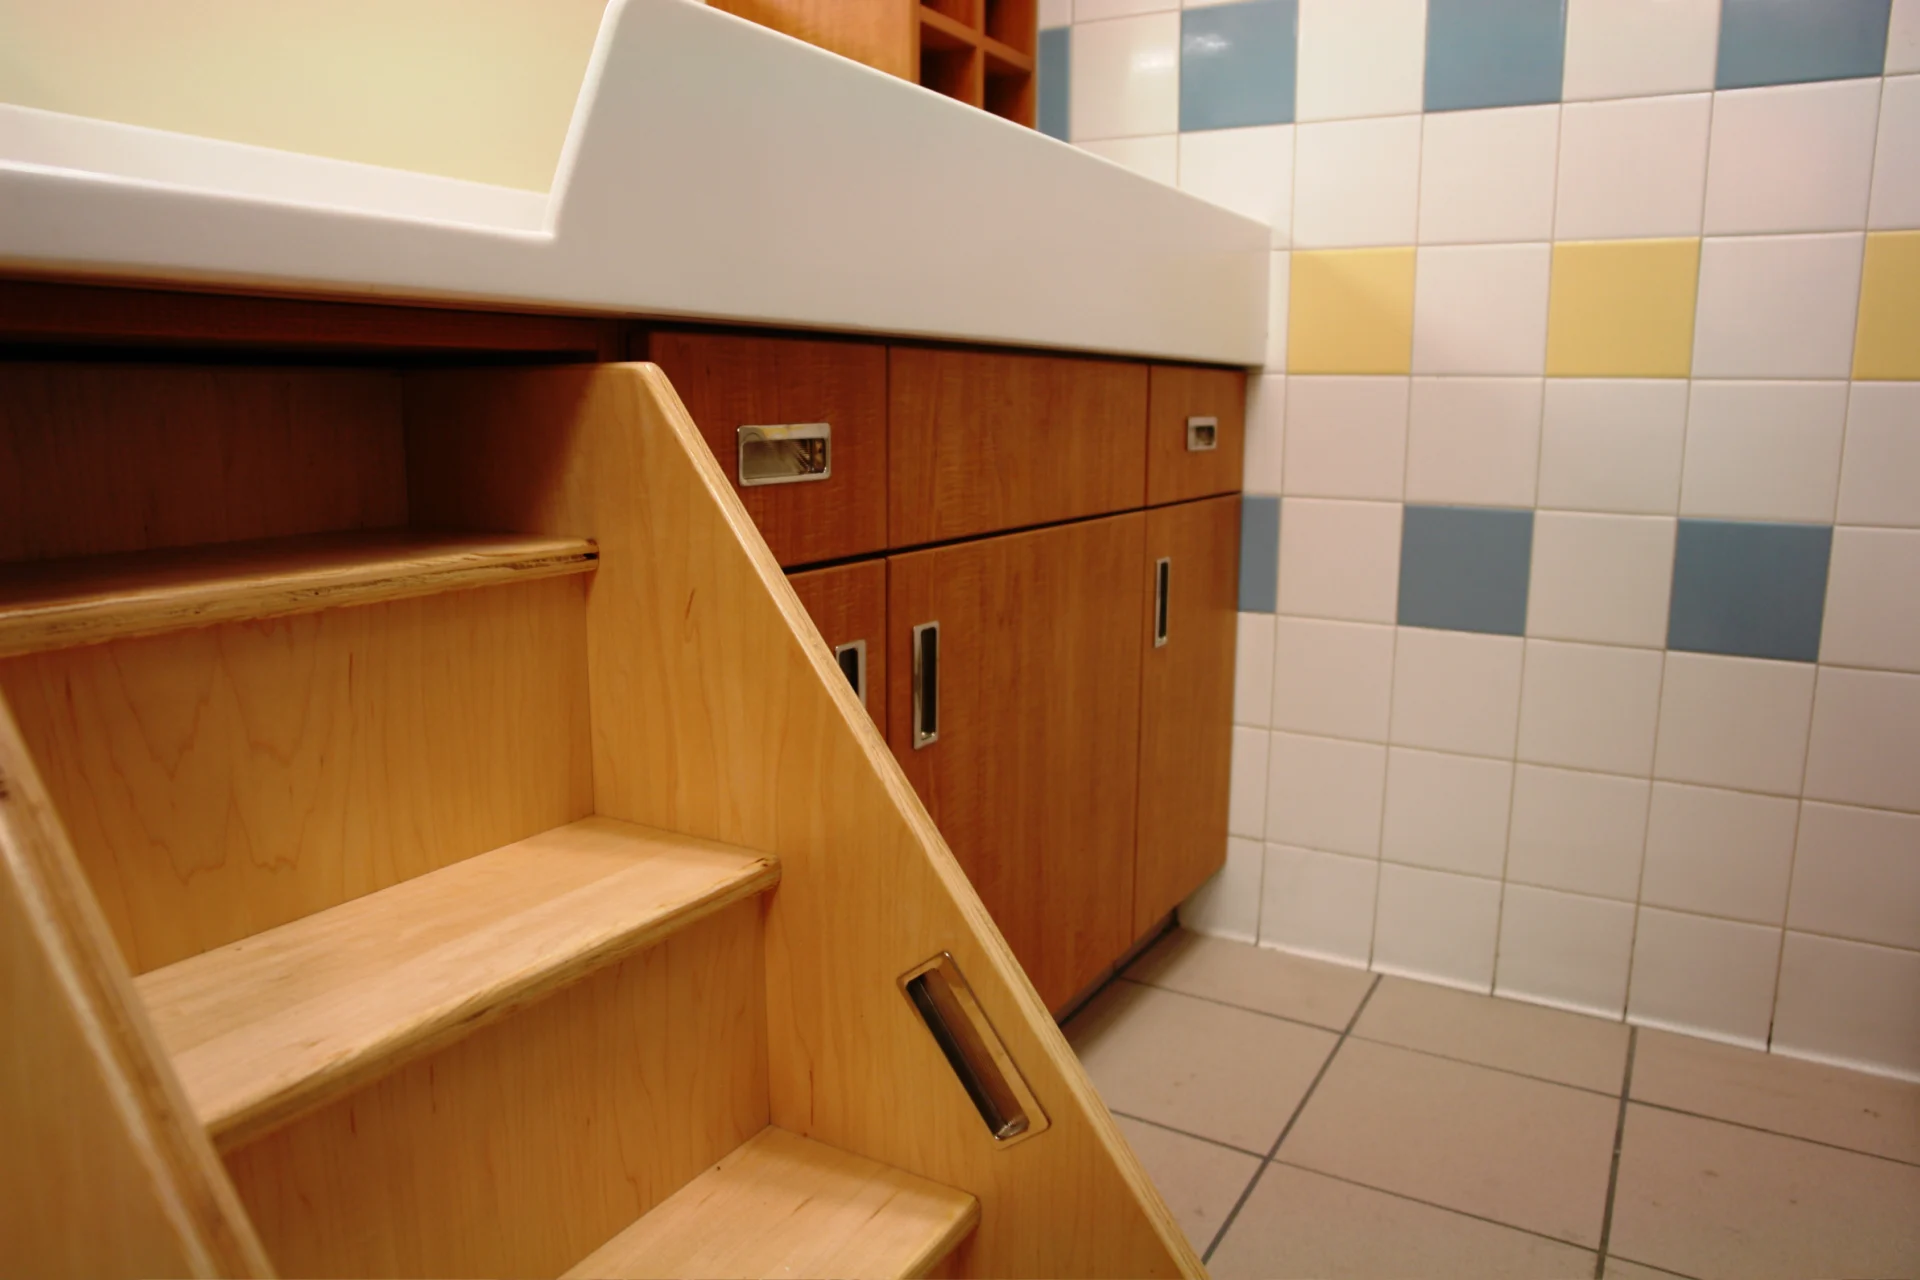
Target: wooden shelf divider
pixel 268 1028
pixel 783 1205
pixel 60 604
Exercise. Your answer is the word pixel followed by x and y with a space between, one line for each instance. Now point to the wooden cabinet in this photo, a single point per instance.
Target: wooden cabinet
pixel 1186 701
pixel 730 381
pixel 983 441
pixel 849 604
pixel 1032 776
pixel 1196 432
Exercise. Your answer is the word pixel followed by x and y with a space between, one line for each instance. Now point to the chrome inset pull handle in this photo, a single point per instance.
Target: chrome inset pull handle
pixel 940 995
pixel 1203 434
pixel 785 454
pixel 852 658
pixel 1162 579
pixel 926 684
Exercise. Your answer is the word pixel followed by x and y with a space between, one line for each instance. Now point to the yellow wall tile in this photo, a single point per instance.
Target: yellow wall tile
pixel 1887 344
pixel 1622 309
pixel 1351 311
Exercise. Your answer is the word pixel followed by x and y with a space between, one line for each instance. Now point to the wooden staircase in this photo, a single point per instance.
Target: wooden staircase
pixel 436 843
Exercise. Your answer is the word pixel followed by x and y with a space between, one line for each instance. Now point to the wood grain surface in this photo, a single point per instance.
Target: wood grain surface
pixel 848 603
pixel 1180 391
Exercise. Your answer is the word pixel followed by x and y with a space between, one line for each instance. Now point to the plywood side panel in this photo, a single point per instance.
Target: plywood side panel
pixel 522 1149
pixel 221 781
pixel 103 458
pixel 719 713
pixel 103 1170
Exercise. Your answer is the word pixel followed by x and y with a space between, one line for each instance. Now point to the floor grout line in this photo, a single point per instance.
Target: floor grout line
pixel 1774 1133
pixel 1293 1119
pixel 1613 1174
pixel 1433 1204
pixel 1187 1133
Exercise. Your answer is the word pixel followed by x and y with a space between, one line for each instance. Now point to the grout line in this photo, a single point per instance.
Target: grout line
pixel 1293 1119
pixel 1484 1066
pixel 1188 1133
pixel 1665 1271
pixel 1774 1133
pixel 1229 1004
pixel 1613 1174
pixel 1434 1204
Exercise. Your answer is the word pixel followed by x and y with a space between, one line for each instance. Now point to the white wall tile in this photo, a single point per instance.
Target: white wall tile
pixel 1447 812
pixel 1253 669
pixel 1873 600
pixel 1247 783
pixel 1850 1004
pixel 1720 853
pixel 1704 977
pixel 1734 722
pixel 1279 278
pixel 1896 178
pixel 1056 13
pixel 1249 171
pixel 1360 58
pixel 1487 176
pixel 1630 168
pixel 1903 38
pixel 1577 831
pixel 1601 577
pixel 1156 157
pixel 1358 182
pixel 1565 950
pixel 1474 441
pixel 1456 691
pixel 1764 450
pixel 1125 77
pixel 1777 306
pixel 1791 157
pixel 1228 905
pixel 1340 559
pixel 1436 926
pixel 1266 432
pixel 1613 444
pixel 1866 738
pixel 1347 437
pixel 1332 678
pixel 1620 48
pixel 1319 904
pixel 1587 706
pixel 1101 10
pixel 1880 470
pixel 1482 309
pixel 1326 794
pixel 1856 874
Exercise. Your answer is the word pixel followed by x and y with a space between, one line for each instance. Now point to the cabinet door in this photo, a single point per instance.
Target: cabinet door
pixel 729 381
pixel 981 440
pixel 849 605
pixel 1031 777
pixel 1184 463
pixel 1186 701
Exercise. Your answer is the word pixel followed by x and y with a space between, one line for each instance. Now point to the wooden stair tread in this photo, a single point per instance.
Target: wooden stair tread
pixel 58 604
pixel 273 1025
pixel 783 1205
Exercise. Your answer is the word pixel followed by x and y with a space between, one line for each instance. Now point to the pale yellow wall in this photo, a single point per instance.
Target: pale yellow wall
pixel 479 89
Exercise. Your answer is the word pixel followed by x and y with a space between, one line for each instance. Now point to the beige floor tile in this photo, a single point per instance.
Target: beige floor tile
pixel 1523 1152
pixel 1199 1181
pixel 1713 1200
pixel 1804 1099
pixel 1299 1224
pixel 1193 1065
pixel 1568 1047
pixel 1254 978
pixel 1621 1269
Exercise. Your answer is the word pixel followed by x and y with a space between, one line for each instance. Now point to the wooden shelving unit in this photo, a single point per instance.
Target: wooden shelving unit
pixel 981 52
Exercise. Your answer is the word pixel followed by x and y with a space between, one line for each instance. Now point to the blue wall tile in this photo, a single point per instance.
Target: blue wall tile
pixel 1494 53
pixel 1051 75
pixel 1749 589
pixel 1465 568
pixel 1237 64
pixel 1259 553
pixel 1792 41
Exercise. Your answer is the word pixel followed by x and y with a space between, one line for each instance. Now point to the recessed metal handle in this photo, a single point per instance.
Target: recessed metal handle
pixel 940 995
pixel 785 454
pixel 926 684
pixel 1203 434
pixel 852 658
pixel 1162 579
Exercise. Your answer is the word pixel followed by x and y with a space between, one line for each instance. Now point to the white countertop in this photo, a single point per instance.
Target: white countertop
pixel 715 170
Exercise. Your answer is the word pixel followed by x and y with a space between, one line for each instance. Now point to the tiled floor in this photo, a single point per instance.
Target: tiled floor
pixel 1308 1120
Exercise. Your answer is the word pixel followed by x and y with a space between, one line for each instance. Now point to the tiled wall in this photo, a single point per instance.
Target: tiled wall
pixel 1580 653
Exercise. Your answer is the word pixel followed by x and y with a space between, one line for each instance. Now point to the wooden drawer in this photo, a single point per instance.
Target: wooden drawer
pixel 729 381
pixel 1176 472
pixel 849 604
pixel 981 441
